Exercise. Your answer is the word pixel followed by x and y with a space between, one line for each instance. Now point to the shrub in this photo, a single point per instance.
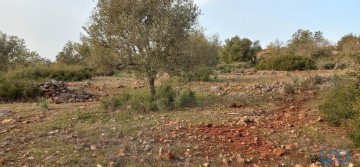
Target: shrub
pixel 185 98
pixel 329 66
pixel 354 133
pixel 338 104
pixel 18 90
pixel 225 69
pixel 114 103
pixel 44 104
pixel 200 74
pixel 286 63
pixel 53 71
pixel 140 101
pixel 165 97
pixel 289 89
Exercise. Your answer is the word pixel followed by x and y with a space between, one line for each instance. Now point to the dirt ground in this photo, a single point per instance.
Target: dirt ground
pixel 241 120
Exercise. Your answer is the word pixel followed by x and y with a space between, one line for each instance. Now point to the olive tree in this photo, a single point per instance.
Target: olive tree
pixel 307 43
pixel 14 52
pixel 240 50
pixel 147 34
pixel 74 52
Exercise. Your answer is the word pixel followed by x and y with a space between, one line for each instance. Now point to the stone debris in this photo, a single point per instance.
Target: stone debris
pixel 5 112
pixel 58 92
pixel 261 88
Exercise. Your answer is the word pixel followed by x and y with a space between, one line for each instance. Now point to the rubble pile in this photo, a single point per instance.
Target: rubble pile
pixel 57 92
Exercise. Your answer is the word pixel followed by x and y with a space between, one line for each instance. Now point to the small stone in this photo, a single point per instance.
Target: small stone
pixel 240 160
pixel 98 165
pixel 351 165
pixel 2 161
pixel 93 147
pixel 298 165
pixel 7 121
pixel 313 165
pixel 206 164
pixel 169 155
pixel 226 161
pixel 161 153
pixel 343 153
pixel 279 152
pixel 147 148
pixel 111 164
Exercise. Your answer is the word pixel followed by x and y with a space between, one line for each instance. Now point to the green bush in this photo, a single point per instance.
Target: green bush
pixel 338 104
pixel 354 133
pixel 53 71
pixel 140 101
pixel 200 74
pixel 286 63
pixel 185 98
pixel 44 104
pixel 114 103
pixel 165 97
pixel 18 90
pixel 225 69
pixel 329 66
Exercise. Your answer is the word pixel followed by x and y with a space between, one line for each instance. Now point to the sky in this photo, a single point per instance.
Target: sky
pixel 46 25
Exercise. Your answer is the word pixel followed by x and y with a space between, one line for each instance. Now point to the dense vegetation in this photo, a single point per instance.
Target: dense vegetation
pixel 287 63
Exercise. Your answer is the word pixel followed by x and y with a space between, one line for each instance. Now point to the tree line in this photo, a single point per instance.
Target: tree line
pixel 152 37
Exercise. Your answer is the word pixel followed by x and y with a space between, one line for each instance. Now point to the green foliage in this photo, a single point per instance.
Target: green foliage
pixel 286 63
pixel 338 103
pixel 53 71
pixel 114 103
pixel 149 35
pixel 185 98
pixel 44 104
pixel 349 44
pixel 354 133
pixel 200 74
pixel 74 53
pixel 289 89
pixel 307 43
pixel 18 90
pixel 225 69
pixel 329 66
pixel 322 52
pixel 240 50
pixel 165 97
pixel 139 101
pixel 14 52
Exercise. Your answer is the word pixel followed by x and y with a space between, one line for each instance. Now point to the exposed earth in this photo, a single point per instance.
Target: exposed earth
pixel 241 120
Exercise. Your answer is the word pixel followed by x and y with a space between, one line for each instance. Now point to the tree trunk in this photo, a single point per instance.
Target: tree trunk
pixel 152 88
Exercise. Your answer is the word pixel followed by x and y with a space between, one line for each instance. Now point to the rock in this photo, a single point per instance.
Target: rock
pixel 278 152
pixel 206 164
pixel 2 161
pixel 298 165
pixel 5 112
pixel 147 148
pixel 7 121
pixel 241 160
pixel 169 155
pixel 98 165
pixel 93 147
pixel 161 153
pixel 351 165
pixel 226 161
pixel 111 164
pixel 313 165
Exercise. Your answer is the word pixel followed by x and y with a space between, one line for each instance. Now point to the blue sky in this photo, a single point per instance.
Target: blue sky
pixel 47 25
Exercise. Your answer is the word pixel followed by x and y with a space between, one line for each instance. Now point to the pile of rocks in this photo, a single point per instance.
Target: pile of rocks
pixel 57 92
pixel 261 88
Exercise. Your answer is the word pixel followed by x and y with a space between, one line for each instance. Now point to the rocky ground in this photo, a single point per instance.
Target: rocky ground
pixel 247 119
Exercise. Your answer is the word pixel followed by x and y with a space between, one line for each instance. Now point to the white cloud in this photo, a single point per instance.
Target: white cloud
pixel 201 2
